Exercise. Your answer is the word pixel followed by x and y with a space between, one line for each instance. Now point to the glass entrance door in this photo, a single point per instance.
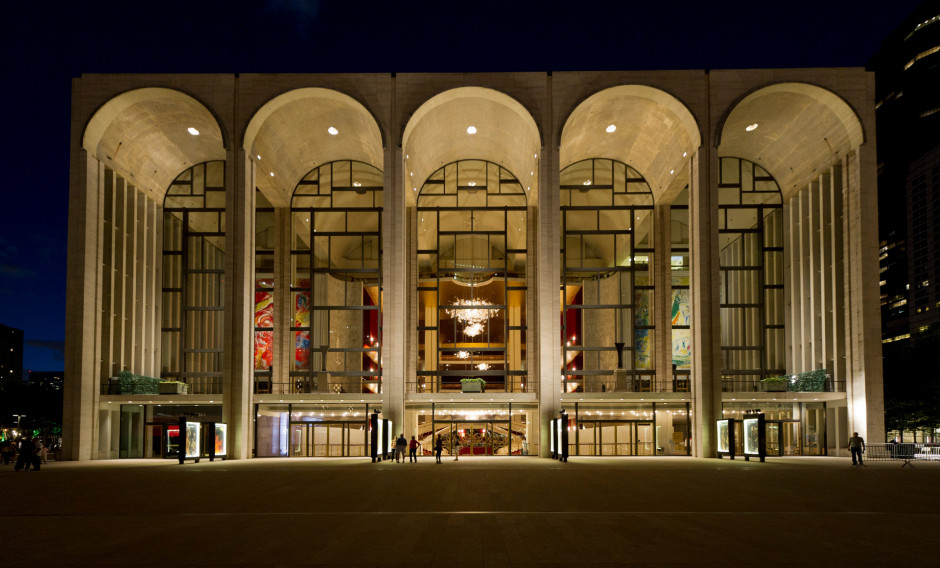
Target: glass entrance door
pixel 783 438
pixel 476 438
pixel 612 438
pixel 328 439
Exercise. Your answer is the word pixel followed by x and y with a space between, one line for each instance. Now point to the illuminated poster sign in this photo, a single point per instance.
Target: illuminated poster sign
pixel 221 439
pixel 192 439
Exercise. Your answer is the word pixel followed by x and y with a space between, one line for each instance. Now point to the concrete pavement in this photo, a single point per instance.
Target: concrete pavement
pixel 484 511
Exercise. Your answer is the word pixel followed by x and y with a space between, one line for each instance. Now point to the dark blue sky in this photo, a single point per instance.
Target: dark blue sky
pixel 45 45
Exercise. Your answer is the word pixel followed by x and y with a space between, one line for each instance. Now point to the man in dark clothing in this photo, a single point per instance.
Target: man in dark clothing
pixel 27 452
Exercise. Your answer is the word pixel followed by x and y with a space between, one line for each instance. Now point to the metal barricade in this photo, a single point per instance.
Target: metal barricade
pixel 906 452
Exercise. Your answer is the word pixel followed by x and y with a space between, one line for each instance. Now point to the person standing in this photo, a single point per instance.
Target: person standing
pixel 400 444
pixel 856 447
pixel 438 448
pixel 413 450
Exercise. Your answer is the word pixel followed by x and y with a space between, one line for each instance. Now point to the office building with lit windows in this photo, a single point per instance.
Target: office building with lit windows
pixel 471 255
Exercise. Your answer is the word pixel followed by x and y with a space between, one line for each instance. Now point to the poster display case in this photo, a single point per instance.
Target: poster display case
pixel 193 444
pixel 726 442
pixel 755 437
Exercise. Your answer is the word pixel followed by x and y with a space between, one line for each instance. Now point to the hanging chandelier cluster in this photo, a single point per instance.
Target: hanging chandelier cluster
pixel 474 318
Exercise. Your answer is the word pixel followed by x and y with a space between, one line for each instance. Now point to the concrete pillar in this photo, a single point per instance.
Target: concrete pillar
pixel 238 334
pixel 864 389
pixel 83 298
pixel 705 278
pixel 547 279
pixel 394 281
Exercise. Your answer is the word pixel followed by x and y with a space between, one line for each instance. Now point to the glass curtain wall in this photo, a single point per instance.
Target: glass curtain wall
pixel 681 304
pixel 336 280
pixel 193 278
pixel 640 429
pixel 264 294
pixel 607 287
pixel 750 232
pixel 471 253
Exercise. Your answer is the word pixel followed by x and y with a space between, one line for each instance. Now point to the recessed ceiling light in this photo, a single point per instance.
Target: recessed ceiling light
pixel 272 174
pixel 406 156
pixel 193 131
pixel 258 156
pixel 751 127
pixel 357 184
pixel 471 130
pixel 684 154
pixel 472 184
pixel 612 128
pixel 587 182
pixel 332 130
pixel 672 172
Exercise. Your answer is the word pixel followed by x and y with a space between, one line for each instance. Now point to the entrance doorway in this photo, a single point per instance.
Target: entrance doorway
pixel 612 438
pixel 328 439
pixel 783 438
pixel 475 438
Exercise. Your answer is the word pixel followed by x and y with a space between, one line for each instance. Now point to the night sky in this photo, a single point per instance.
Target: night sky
pixel 45 45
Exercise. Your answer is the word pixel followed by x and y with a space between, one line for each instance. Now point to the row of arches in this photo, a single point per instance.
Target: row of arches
pixel 520 249
pixel 789 129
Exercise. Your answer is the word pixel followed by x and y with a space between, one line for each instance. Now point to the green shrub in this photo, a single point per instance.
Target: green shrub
pixel 137 384
pixel 810 381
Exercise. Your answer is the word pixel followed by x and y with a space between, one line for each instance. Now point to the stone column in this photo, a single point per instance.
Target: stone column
pixel 548 276
pixel 238 335
pixel 83 316
pixel 394 283
pixel 864 384
pixel 705 278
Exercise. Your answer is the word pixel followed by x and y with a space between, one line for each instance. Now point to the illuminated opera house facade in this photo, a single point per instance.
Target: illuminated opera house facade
pixel 471 255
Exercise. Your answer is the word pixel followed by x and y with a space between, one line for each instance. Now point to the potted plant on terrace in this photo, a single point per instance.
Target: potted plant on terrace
pixel 472 385
pixel 775 384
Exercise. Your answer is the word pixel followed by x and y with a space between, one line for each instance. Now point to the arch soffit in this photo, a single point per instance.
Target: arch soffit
pixel 143 135
pixel 654 130
pixel 802 129
pixel 436 134
pixel 290 134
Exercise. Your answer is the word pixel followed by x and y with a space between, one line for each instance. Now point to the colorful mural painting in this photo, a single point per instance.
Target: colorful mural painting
pixel 641 307
pixel 681 308
pixel 264 340
pixel 682 348
pixel 681 338
pixel 302 319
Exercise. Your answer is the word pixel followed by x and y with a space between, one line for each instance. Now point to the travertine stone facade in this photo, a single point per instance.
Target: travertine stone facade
pixel 814 134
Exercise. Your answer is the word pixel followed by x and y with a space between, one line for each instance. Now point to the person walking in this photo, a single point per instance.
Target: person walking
pixel 400 444
pixel 413 450
pixel 857 448
pixel 438 448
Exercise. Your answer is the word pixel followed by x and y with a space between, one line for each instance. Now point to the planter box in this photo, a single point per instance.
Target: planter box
pixel 774 386
pixel 473 386
pixel 173 388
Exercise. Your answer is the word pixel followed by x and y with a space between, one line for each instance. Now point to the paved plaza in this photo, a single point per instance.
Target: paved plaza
pixel 488 512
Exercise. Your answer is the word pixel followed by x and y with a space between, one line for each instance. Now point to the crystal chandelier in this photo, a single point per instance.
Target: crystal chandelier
pixel 473 318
